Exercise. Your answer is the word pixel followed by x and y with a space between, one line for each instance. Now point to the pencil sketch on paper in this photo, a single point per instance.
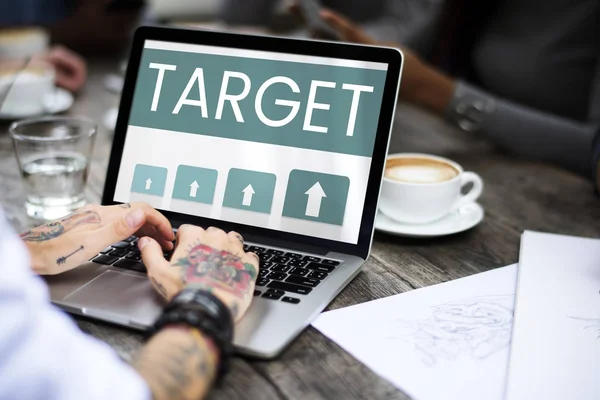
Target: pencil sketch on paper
pixel 590 324
pixel 474 327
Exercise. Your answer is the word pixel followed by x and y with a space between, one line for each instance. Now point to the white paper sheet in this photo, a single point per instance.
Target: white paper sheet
pixel 446 341
pixel 556 339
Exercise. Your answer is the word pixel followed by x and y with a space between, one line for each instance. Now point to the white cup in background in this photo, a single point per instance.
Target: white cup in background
pixel 28 88
pixel 20 43
pixel 421 188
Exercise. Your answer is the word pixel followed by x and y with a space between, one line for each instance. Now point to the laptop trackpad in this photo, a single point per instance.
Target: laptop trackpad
pixel 118 297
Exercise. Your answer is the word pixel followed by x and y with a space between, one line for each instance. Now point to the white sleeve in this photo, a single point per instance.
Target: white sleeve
pixel 43 354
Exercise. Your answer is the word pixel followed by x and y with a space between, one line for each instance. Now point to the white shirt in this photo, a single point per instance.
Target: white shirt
pixel 43 354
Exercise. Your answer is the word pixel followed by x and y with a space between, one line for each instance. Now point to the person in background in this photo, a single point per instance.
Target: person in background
pixel 70 67
pixel 526 77
pixel 406 21
pixel 88 27
pixel 208 284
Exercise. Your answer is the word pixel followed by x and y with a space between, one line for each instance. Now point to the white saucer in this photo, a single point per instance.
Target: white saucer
pixel 110 119
pixel 460 220
pixel 58 101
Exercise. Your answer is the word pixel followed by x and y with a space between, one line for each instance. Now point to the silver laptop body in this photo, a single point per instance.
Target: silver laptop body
pixel 321 267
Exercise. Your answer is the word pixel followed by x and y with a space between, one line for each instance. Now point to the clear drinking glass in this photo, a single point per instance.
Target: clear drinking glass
pixel 53 154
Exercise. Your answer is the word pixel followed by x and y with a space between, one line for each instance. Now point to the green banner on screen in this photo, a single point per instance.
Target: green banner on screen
pixel 309 106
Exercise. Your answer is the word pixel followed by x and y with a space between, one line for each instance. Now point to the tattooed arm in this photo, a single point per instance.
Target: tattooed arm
pixel 180 363
pixel 209 259
pixel 63 244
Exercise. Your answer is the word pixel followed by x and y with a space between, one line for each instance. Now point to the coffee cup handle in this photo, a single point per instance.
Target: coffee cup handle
pixel 474 193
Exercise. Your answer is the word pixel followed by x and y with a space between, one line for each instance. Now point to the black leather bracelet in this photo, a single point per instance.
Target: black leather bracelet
pixel 202 310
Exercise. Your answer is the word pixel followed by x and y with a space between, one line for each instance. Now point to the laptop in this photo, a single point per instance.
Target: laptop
pixel 281 140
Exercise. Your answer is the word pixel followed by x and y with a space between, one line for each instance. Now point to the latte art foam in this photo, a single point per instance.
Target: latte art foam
pixel 414 170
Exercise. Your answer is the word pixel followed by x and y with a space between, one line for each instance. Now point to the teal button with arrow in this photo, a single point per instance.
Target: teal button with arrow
pixel 195 184
pixel 250 190
pixel 148 179
pixel 316 197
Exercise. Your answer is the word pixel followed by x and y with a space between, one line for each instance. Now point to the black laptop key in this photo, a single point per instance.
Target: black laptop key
pixel 130 264
pixel 289 287
pixel 312 259
pixel 292 300
pixel 246 247
pixel 119 253
pixel 134 249
pixel 257 293
pixel 280 260
pixel 263 273
pixel 293 255
pixel 269 265
pixel 271 296
pixel 264 256
pixel 297 263
pixel 276 291
pixel 330 262
pixel 275 252
pixel 134 256
pixel 106 250
pixel 262 282
pixel 277 276
pixel 318 275
pixel 310 282
pixel 103 259
pixel 257 249
pixel 130 239
pixel 299 271
pixel 121 245
pixel 281 268
pixel 320 267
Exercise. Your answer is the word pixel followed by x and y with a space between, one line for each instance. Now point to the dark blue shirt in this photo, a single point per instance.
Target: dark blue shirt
pixel 33 12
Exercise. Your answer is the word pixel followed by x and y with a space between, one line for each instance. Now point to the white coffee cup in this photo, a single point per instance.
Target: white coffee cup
pixel 20 43
pixel 28 88
pixel 421 188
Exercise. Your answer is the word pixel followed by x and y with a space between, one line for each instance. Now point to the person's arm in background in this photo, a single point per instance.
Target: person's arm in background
pixel 44 355
pixel 248 12
pixel 522 130
pixel 93 28
pixel 410 22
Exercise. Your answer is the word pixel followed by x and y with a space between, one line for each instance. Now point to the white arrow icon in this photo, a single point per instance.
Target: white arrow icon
pixel 194 189
pixel 315 197
pixel 148 183
pixel 248 193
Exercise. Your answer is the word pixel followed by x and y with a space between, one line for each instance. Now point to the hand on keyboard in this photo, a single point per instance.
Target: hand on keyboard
pixel 209 259
pixel 64 244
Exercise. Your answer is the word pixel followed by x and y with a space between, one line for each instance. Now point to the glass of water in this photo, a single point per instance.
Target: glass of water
pixel 53 154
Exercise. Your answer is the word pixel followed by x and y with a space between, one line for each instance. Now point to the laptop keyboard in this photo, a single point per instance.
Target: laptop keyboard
pixel 283 276
pixel 124 255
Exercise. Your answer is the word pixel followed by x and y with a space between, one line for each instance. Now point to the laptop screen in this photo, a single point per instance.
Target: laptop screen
pixel 266 139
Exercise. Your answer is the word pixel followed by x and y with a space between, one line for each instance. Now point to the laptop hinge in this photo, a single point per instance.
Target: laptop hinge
pixel 304 248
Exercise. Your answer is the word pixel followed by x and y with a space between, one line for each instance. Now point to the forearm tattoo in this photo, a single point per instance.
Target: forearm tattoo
pixel 211 269
pixel 63 259
pixel 178 370
pixel 160 287
pixel 57 228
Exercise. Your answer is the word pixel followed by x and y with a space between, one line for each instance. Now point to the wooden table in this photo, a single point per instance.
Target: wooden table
pixel 519 195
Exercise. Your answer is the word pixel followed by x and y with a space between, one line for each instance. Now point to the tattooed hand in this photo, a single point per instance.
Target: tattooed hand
pixel 64 244
pixel 209 259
